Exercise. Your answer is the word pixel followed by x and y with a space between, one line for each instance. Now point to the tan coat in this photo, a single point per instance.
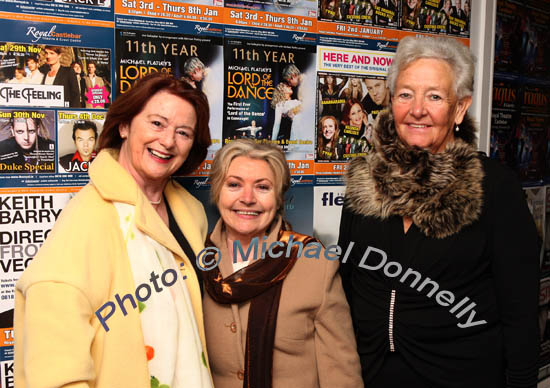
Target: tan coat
pixel 314 340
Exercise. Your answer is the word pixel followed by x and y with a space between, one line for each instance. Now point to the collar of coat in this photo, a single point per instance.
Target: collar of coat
pixel 441 192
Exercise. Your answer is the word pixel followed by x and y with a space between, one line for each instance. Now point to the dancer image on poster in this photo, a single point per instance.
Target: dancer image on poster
pixel 327 138
pixel 330 90
pixel 84 137
pixel 250 131
pixel 92 80
pixel 378 96
pixel 61 75
pixel 29 149
pixel 287 104
pixel 286 110
pixel 194 72
pixel 34 76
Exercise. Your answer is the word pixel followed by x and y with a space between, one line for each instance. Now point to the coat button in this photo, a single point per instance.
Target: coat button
pixel 240 374
pixel 233 328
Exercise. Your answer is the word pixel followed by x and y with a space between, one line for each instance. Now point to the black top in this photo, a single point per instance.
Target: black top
pixel 467 316
pixel 184 244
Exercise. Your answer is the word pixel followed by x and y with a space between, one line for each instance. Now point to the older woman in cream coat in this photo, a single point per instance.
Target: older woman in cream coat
pixel 269 326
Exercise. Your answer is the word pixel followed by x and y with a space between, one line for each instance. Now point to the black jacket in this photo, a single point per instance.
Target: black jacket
pixel 456 297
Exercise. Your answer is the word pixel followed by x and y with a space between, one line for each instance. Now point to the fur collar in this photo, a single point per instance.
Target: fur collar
pixel 442 192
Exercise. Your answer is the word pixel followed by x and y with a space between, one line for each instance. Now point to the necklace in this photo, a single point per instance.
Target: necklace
pixel 155 202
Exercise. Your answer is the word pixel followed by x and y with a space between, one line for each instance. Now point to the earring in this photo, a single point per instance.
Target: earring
pixel 457 128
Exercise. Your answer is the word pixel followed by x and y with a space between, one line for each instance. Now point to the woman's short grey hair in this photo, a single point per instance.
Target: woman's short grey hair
pixel 450 50
pixel 268 152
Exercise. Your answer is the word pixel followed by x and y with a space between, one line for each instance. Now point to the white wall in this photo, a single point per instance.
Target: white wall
pixel 482 37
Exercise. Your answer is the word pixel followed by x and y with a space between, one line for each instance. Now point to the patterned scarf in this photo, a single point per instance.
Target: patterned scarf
pixel 172 343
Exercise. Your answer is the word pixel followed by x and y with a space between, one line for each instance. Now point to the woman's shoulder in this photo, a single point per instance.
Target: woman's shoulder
pixel 77 246
pixel 312 259
pixel 176 191
pixel 498 175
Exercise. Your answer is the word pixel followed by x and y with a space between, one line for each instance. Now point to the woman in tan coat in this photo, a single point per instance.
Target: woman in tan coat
pixel 282 321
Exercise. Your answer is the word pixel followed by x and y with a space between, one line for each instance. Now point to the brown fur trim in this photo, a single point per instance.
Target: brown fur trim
pixel 442 192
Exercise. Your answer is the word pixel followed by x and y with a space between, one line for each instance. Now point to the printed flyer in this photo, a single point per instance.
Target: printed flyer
pixel 26 219
pixel 55 76
pixel 27 142
pixel 270 95
pixel 78 132
pixel 351 92
pixel 196 59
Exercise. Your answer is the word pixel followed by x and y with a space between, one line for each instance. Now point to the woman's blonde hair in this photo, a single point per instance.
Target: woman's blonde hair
pixel 268 152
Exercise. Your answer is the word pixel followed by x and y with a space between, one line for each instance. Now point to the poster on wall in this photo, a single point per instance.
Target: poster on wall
pixel 54 76
pixel 77 134
pixel 100 10
pixel 171 16
pixel 359 12
pixel 505 120
pixel 531 134
pixel 327 204
pixel 351 92
pixel 508 36
pixel 196 59
pixel 27 142
pixel 282 7
pixel 26 218
pixel 270 96
pixel 451 17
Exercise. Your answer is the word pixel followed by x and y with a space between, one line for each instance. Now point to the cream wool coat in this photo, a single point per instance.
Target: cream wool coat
pixel 59 341
pixel 314 340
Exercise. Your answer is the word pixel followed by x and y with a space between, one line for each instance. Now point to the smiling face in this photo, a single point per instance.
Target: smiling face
pixel 24 132
pixel 412 3
pixel 52 57
pixel 248 201
pixel 329 128
pixel 158 140
pixel 356 115
pixel 85 143
pixel 425 106
pixel 77 69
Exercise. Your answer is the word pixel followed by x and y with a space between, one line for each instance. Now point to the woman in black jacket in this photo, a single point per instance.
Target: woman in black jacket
pixel 442 279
